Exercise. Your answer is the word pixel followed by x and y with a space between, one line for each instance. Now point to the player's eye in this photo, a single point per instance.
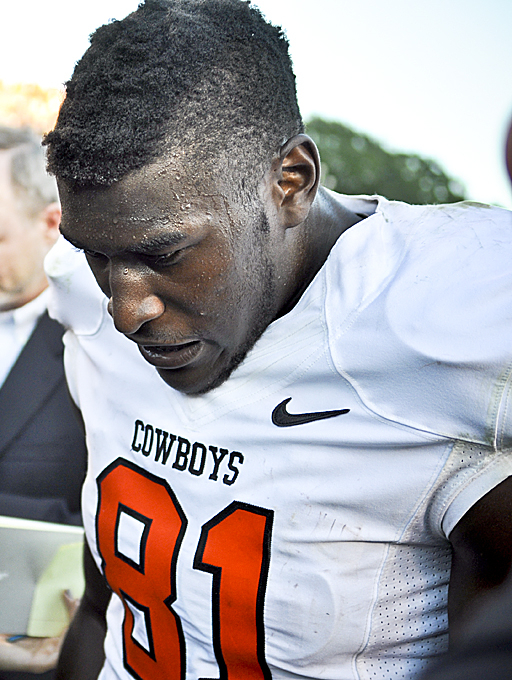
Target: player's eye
pixel 94 257
pixel 87 253
pixel 93 254
pixel 167 259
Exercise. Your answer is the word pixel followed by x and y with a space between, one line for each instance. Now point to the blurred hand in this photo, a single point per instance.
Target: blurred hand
pixel 35 655
pixel 72 603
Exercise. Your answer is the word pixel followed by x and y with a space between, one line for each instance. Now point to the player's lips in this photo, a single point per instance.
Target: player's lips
pixel 172 356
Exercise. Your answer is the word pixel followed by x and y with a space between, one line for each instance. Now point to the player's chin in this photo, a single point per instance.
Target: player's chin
pixel 197 377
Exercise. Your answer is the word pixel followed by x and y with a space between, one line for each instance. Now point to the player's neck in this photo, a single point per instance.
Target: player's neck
pixel 327 220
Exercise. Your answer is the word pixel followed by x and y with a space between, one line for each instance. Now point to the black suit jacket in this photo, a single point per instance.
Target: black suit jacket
pixel 42 450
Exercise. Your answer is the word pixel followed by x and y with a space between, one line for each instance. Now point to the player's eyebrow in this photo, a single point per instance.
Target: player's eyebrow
pixel 147 246
pixel 168 239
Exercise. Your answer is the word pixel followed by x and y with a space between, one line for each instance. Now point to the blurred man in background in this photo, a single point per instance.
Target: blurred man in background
pixel 42 450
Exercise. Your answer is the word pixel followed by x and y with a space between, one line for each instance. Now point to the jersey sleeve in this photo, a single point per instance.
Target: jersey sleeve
pixel 429 344
pixel 469 474
pixel 504 413
pixel 76 300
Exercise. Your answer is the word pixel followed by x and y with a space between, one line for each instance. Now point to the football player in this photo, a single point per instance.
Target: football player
pixel 297 403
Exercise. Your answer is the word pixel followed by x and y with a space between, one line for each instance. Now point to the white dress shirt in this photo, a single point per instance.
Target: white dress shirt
pixel 16 327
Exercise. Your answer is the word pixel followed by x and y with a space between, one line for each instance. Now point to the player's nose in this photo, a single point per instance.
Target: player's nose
pixel 132 303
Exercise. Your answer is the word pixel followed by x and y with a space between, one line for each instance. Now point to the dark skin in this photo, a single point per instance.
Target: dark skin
pixel 481 540
pixel 482 554
pixel 82 654
pixel 147 297
pixel 193 276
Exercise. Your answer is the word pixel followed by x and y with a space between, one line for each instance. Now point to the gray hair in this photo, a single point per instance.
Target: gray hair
pixel 35 188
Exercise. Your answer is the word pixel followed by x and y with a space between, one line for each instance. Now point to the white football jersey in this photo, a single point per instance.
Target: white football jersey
pixel 294 522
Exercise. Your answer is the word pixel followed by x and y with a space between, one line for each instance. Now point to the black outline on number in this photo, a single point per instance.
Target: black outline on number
pixel 168 601
pixel 147 620
pixel 147 521
pixel 216 572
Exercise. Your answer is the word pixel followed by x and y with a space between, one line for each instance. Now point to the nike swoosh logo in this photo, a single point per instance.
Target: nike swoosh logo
pixel 282 418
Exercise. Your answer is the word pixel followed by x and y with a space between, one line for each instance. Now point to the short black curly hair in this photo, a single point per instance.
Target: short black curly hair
pixel 210 77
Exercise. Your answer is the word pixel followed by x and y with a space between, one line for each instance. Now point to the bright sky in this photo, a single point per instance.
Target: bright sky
pixel 432 77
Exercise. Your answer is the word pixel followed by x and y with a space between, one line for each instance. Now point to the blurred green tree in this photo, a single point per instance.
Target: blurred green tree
pixel 353 163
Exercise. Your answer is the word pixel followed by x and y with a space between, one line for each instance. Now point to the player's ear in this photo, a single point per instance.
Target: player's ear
pixel 50 221
pixel 294 179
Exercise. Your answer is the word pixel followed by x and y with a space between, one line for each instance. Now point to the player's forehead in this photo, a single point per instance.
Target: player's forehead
pixel 163 198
